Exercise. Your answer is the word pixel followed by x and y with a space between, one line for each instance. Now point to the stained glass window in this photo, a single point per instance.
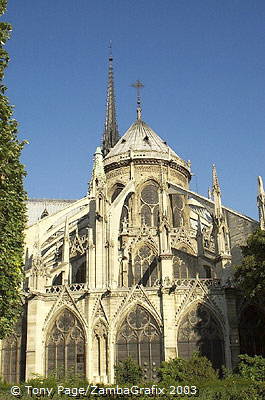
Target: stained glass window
pixel 200 331
pixel 10 359
pixel 65 346
pixel 144 271
pixel 184 265
pixel 149 205
pixel 140 338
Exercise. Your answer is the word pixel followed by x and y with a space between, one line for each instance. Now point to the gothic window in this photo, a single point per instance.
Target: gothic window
pixel 80 276
pixel 140 338
pixel 65 346
pixel 252 332
pixel 199 331
pixel 180 269
pixel 149 205
pixel 184 264
pixel 145 271
pixel 177 205
pixel 10 359
pixel 100 350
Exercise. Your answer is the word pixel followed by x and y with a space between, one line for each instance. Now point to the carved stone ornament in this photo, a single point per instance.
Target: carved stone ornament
pixel 136 294
pixel 196 292
pixel 182 235
pixel 98 310
pixel 65 299
pixel 78 245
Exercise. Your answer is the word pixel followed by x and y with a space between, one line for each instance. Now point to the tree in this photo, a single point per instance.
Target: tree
pixel 12 200
pixel 178 370
pixel 128 372
pixel 251 273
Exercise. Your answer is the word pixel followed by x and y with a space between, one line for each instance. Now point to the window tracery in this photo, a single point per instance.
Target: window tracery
pixel 200 331
pixel 184 265
pixel 65 346
pixel 145 271
pixel 139 337
pixel 149 205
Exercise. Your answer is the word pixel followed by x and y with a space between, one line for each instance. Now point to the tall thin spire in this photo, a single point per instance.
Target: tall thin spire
pixel 111 134
pixel 216 191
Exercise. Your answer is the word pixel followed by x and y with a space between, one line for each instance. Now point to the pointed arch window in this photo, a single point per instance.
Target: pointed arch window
pixel 10 359
pixel 200 331
pixel 184 265
pixel 65 346
pixel 150 205
pixel 140 337
pixel 145 269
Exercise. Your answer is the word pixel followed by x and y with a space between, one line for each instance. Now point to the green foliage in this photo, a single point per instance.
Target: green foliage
pixel 251 273
pixel 12 201
pixel 197 368
pixel 252 367
pixel 235 387
pixel 128 372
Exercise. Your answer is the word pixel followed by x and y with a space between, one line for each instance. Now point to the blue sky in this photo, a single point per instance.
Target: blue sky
pixel 203 67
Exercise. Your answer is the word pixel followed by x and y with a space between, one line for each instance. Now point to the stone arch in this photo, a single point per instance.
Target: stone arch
pixel 100 349
pixel 252 330
pixel 65 344
pixel 143 267
pixel 199 329
pixel 139 336
pixel 115 190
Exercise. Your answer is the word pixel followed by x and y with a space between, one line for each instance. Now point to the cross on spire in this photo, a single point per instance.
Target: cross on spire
pixel 138 86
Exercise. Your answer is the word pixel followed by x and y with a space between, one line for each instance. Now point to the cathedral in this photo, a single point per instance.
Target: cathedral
pixel 141 267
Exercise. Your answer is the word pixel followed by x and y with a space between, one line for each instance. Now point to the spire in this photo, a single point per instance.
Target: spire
pixel 111 134
pixel 216 191
pixel 216 186
pixel 138 85
pixel 261 203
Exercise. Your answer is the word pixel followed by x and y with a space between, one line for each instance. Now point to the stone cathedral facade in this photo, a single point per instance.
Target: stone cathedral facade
pixel 140 266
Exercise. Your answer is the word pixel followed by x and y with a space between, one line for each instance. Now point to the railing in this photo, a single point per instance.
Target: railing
pixel 73 287
pixel 209 282
pixel 188 283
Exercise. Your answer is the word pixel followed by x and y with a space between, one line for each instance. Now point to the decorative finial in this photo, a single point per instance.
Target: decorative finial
pixel 138 85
